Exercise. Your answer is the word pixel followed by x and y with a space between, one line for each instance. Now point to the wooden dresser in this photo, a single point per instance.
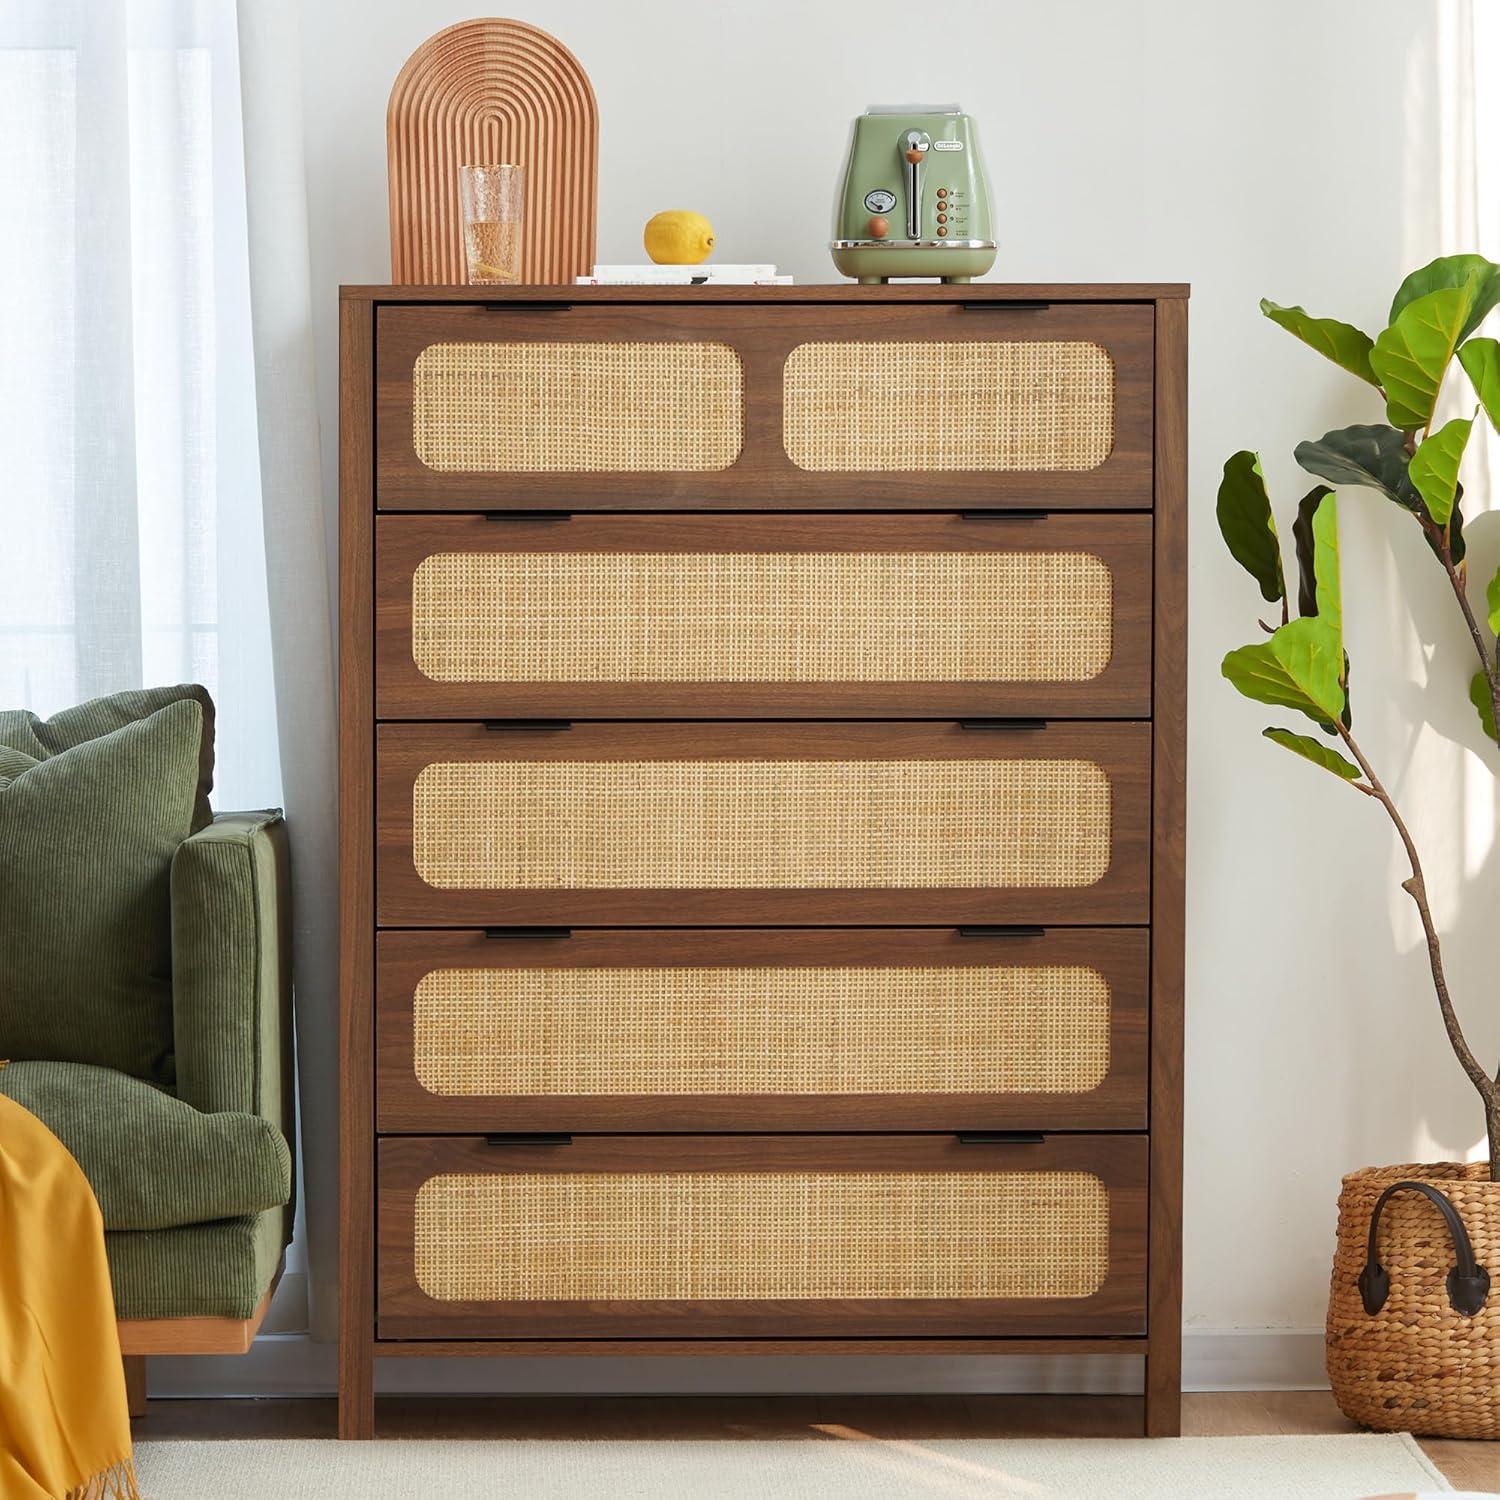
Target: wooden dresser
pixel 762 822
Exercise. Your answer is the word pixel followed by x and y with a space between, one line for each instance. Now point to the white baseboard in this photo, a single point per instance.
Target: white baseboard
pixel 286 1364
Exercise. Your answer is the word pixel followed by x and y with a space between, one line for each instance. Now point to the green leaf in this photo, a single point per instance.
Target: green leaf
pixel 1456 542
pixel 1481 361
pixel 1302 536
pixel 1249 529
pixel 1315 751
pixel 1492 598
pixel 1344 344
pixel 1318 572
pixel 1327 589
pixel 1452 271
pixel 1374 457
pixel 1298 667
pixel 1411 356
pixel 1479 696
pixel 1434 467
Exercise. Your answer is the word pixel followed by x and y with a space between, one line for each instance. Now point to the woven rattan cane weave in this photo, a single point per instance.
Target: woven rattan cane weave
pixel 761 1031
pixel 921 408
pixel 756 1236
pixel 761 617
pixel 578 408
pixel 728 825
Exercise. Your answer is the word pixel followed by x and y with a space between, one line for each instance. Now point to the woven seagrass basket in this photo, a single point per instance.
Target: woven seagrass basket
pixel 1413 1326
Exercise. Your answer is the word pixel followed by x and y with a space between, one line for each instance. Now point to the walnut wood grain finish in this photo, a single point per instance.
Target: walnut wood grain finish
pixel 680 314
pixel 815 293
pixel 1121 751
pixel 762 335
pixel 1168 874
pixel 134 1366
pixel 482 92
pixel 1118 1102
pixel 1117 1307
pixel 1122 543
pixel 1019 1348
pixel 356 875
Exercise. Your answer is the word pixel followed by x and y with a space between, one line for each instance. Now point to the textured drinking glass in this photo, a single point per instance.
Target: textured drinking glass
pixel 492 198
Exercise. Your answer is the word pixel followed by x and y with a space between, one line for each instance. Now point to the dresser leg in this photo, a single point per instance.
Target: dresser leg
pixel 1164 1389
pixel 135 1384
pixel 356 1389
pixel 357 1415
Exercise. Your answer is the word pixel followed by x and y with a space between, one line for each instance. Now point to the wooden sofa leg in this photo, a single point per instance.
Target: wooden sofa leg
pixel 135 1384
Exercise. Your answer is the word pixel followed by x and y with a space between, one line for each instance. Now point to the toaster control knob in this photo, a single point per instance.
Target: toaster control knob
pixel 879 227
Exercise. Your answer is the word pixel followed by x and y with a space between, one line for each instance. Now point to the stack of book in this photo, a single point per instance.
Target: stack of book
pixel 703 275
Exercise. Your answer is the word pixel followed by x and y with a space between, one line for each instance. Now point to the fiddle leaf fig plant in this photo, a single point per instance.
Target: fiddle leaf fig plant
pixel 1301 663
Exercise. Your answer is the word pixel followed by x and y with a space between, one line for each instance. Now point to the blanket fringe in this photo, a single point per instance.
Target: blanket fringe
pixel 117 1482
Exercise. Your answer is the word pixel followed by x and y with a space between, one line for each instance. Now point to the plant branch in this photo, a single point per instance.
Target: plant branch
pixel 1488 665
pixel 1416 888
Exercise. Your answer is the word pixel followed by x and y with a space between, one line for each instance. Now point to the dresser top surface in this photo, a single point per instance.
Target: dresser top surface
pixel 836 292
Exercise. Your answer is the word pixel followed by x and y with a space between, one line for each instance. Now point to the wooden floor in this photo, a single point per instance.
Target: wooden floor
pixel 1472 1466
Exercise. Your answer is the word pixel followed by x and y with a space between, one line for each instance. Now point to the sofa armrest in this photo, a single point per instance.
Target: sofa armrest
pixel 232 967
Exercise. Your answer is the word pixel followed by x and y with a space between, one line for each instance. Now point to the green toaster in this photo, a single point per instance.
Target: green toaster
pixel 913 200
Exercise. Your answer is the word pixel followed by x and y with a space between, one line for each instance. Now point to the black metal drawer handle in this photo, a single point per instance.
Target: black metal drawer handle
pixel 982 930
pixel 998 306
pixel 525 1139
pixel 1001 1138
pixel 1004 515
pixel 1468 1281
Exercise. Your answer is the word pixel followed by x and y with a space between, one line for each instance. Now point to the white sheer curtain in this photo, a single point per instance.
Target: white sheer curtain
pixel 159 470
pixel 132 547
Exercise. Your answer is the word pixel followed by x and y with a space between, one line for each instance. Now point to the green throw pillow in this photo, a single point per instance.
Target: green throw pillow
pixel 87 836
pixel 40 738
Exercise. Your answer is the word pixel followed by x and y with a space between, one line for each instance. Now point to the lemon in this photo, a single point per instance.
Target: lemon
pixel 679 238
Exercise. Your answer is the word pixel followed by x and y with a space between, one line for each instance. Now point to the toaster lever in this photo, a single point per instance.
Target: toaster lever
pixel 914 147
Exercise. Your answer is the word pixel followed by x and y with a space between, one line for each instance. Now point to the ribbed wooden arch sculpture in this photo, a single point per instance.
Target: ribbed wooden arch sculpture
pixel 492 91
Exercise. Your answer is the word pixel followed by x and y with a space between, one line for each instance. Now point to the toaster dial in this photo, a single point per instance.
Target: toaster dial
pixel 880 201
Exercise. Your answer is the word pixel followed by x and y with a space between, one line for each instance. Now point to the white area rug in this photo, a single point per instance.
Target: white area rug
pixel 1261 1468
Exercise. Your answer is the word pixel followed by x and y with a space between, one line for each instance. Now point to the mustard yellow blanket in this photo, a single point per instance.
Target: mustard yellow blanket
pixel 64 1427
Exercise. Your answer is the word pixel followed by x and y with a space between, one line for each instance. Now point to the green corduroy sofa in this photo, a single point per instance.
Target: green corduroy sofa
pixel 171 1080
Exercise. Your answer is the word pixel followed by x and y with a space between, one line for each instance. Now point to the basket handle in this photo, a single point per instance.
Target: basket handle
pixel 1468 1281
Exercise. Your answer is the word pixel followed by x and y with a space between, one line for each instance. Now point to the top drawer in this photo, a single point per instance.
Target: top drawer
pixel 641 406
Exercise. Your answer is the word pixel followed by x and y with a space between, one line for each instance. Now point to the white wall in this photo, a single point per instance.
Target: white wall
pixel 1280 148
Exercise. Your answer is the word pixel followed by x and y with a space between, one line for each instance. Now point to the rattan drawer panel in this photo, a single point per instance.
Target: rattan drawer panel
pixel 746 824
pixel 769 1234
pixel 991 406
pixel 741 406
pixel 577 408
pixel 669 821
pixel 846 1029
pixel 764 615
